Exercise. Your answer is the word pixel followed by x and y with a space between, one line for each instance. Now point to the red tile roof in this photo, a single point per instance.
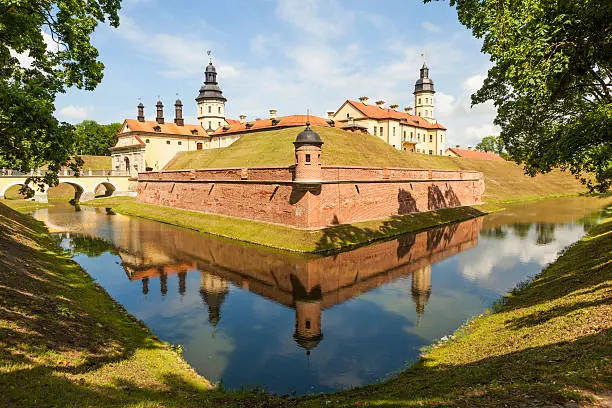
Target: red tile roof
pixel 266 124
pixel 476 154
pixel 165 128
pixel 376 112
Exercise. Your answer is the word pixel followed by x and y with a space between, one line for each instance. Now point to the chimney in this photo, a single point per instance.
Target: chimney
pixel 380 104
pixel 364 100
pixel 160 112
pixel 178 113
pixel 243 119
pixel 394 107
pixel 408 110
pixel 330 114
pixel 470 148
pixel 272 113
pixel 458 147
pixel 140 116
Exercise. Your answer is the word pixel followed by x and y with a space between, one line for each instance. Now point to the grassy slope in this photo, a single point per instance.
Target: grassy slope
pixel 549 343
pixel 504 180
pixel 96 162
pixel 65 342
pixel 278 236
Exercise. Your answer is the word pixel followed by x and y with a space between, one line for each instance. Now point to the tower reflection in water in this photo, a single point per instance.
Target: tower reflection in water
pixel 309 285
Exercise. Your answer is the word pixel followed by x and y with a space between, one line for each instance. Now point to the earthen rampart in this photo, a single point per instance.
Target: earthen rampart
pixel 343 194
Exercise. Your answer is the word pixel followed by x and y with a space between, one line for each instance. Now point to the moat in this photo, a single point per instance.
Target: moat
pixel 250 317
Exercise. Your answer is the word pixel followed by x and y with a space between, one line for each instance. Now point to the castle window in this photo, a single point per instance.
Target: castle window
pixel 374 130
pixel 431 152
pixel 219 124
pixel 200 109
pixel 180 143
pixel 411 136
pixel 308 323
pixel 431 138
pixel 157 128
pixel 404 135
pixel 167 142
pixel 440 152
pixel 219 110
pixel 419 137
pixel 307 158
pixel 147 141
pixel 426 100
pixel 194 131
pixel 199 146
pixel 348 116
pixel 393 131
pixel 419 101
pixel 209 123
pixel 209 109
pixel 381 131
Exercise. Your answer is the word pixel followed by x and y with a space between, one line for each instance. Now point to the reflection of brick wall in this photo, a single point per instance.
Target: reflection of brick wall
pixel 271 274
pixel 347 195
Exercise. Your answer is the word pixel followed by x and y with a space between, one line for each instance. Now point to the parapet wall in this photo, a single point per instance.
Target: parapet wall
pixel 345 195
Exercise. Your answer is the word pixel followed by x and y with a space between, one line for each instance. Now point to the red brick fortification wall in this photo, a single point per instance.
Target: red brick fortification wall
pixel 346 194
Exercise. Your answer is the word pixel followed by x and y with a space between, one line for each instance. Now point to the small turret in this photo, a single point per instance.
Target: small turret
pixel 178 113
pixel 140 116
pixel 160 112
pixel 308 157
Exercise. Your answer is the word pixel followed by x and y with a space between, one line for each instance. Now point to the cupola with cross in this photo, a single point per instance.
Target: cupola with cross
pixel 211 102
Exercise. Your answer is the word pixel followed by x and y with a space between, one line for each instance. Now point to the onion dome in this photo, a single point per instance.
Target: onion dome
pixel 210 90
pixel 424 83
pixel 308 137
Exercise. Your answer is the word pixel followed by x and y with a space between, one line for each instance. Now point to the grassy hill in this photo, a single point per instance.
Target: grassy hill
pixel 96 162
pixel 504 180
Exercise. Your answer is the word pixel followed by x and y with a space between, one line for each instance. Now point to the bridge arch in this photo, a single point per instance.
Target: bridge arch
pixel 79 189
pixel 109 188
pixel 8 186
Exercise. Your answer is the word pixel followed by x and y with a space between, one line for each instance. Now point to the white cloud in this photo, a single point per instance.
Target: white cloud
pixel 180 56
pixel 73 113
pixel 431 27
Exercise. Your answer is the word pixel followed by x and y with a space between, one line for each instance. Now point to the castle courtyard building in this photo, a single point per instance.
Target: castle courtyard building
pixel 418 133
pixel 149 145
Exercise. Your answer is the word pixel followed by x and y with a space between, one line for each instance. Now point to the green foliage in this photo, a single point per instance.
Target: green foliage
pixel 93 247
pixel 492 144
pixel 551 81
pixel 94 139
pixel 52 40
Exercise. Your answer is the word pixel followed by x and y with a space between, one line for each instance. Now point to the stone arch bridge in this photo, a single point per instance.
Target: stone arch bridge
pixel 85 185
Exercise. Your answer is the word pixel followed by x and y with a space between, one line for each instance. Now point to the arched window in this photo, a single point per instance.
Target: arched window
pixel 209 108
pixel 219 112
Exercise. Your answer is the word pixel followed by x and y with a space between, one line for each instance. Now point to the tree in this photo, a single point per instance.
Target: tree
pixel 30 136
pixel 490 144
pixel 551 81
pixel 94 138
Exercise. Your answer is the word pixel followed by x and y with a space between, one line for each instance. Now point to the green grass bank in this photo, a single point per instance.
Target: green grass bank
pixel 286 238
pixel 65 342
pixel 548 343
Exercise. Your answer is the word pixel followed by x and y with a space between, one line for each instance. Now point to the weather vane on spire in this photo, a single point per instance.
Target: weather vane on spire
pixel 423 55
pixel 209 53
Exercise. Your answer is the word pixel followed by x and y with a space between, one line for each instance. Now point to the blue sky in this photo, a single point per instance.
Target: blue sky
pixel 290 55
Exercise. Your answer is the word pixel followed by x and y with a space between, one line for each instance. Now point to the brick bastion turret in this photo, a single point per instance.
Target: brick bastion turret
pixel 309 195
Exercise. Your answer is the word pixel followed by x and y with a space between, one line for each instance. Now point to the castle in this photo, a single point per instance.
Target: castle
pixel 149 145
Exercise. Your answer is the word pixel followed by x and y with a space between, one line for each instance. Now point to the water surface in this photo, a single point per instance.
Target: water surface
pixel 249 316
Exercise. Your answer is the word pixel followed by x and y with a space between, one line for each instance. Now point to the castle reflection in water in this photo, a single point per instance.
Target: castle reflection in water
pixel 308 284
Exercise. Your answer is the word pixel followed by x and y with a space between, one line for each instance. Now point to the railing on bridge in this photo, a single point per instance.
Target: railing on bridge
pixel 65 173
